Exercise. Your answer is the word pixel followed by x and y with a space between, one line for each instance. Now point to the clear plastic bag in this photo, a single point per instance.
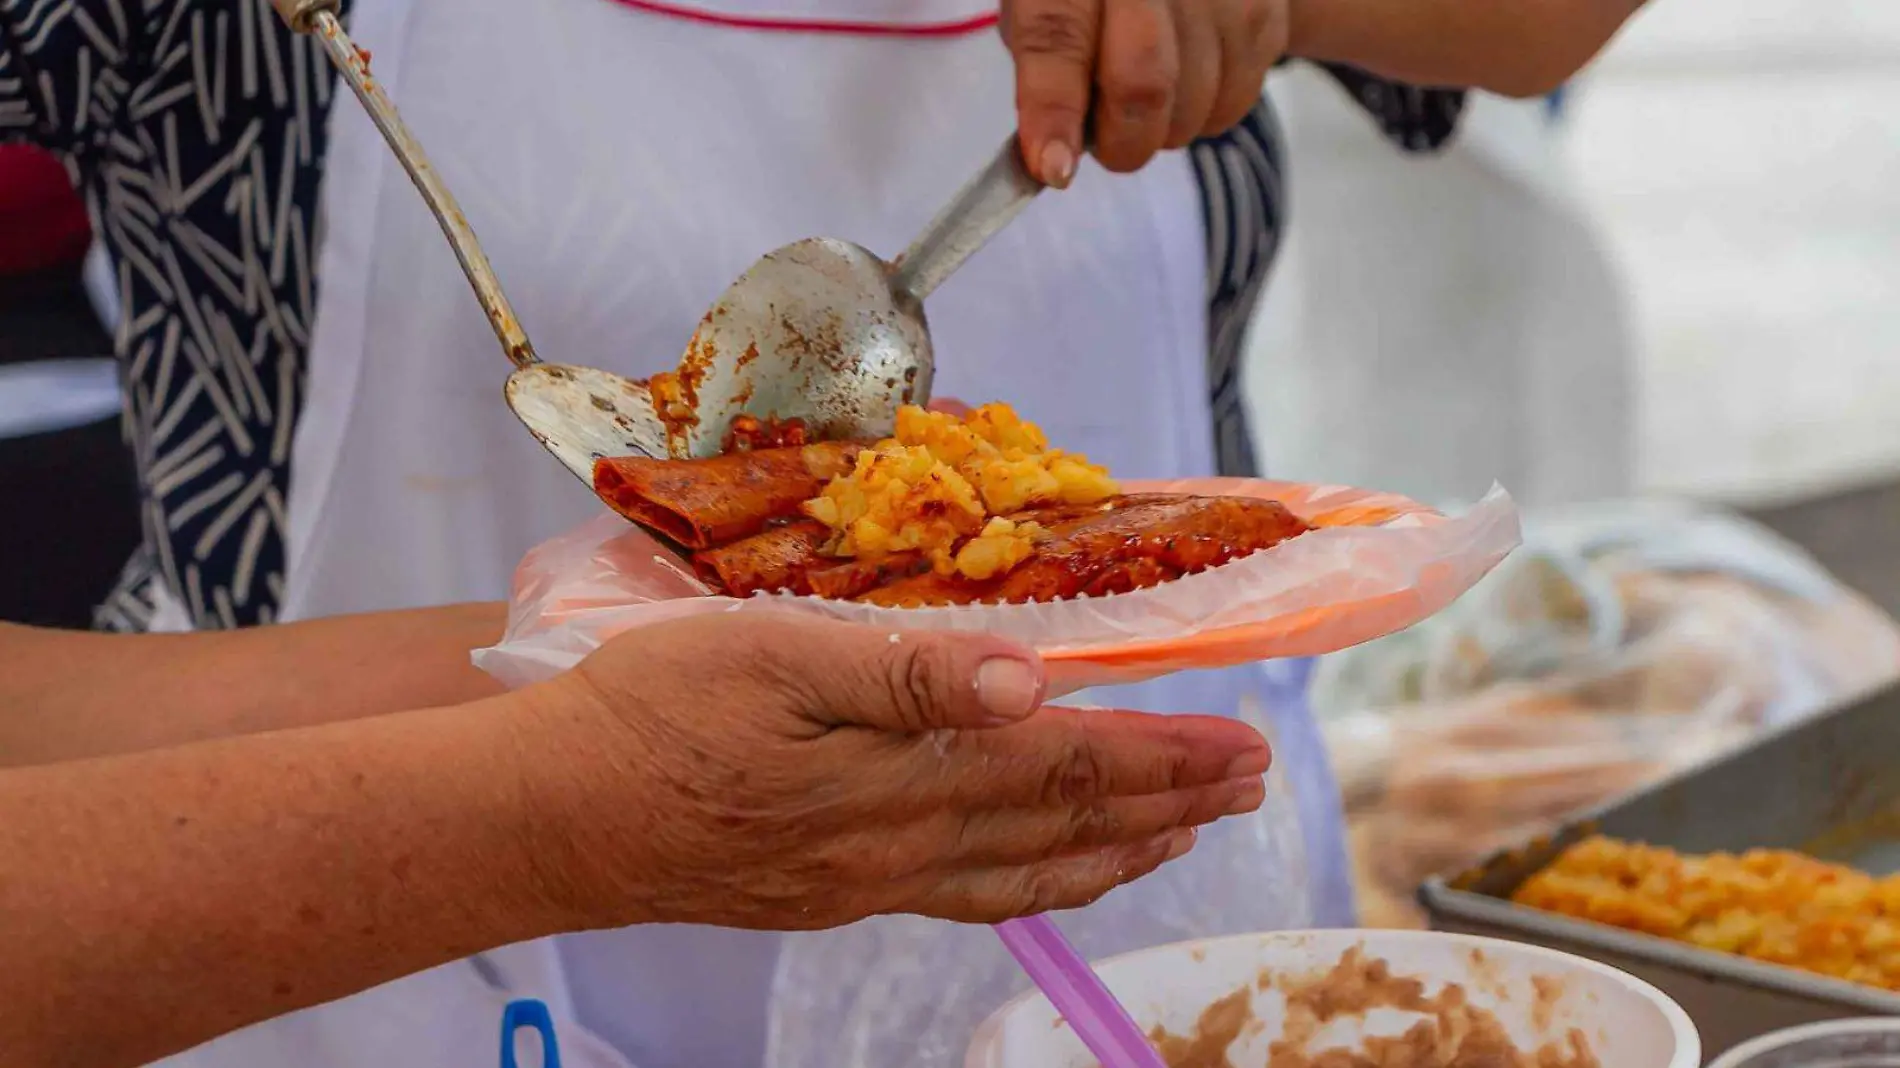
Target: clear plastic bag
pixel 1376 563
pixel 1625 641
pixel 899 990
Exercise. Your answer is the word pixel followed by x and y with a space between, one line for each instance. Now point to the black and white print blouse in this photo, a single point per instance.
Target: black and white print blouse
pixel 195 130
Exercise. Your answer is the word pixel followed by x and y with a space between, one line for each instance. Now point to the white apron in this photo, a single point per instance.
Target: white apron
pixel 621 168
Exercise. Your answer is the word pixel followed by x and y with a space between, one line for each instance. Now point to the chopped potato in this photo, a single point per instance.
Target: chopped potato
pixel 943 485
pixel 1771 905
pixel 1001 546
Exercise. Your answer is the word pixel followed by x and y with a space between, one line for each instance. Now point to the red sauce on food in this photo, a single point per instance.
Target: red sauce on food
pixel 750 432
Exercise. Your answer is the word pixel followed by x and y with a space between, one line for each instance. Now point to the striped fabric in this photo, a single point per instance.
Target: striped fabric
pixel 195 129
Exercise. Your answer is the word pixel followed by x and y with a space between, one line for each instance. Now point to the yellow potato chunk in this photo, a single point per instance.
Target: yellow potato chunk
pixel 944 485
pixel 1773 905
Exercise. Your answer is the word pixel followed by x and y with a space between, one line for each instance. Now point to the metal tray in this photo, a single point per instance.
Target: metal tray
pixel 1829 786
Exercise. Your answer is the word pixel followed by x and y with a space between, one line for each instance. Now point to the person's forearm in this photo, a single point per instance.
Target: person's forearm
pixel 66 695
pixel 1515 47
pixel 150 902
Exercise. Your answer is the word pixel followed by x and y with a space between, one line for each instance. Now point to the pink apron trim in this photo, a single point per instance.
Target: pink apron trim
pixel 846 28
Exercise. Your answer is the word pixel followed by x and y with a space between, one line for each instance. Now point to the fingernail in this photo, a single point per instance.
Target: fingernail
pixel 1009 689
pixel 1057 165
pixel 1178 845
pixel 1248 797
pixel 1253 762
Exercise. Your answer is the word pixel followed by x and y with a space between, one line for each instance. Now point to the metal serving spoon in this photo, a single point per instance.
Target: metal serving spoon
pixel 821 330
pixel 825 331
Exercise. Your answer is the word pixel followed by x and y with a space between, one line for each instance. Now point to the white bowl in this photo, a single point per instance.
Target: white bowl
pixel 1539 995
pixel 1873 1042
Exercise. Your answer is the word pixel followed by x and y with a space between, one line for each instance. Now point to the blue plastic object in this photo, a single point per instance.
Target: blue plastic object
pixel 534 1014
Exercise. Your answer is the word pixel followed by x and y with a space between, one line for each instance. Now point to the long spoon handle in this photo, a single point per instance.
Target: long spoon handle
pixel 979 210
pixel 319 18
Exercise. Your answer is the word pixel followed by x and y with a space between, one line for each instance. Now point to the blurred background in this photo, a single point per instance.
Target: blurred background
pixel 1702 237
pixel 60 445
pixel 1662 308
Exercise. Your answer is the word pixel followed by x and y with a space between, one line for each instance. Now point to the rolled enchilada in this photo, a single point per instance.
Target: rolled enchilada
pixel 951 512
pixel 705 503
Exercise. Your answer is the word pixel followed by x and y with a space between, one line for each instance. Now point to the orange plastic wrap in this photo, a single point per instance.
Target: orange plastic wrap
pixel 1378 563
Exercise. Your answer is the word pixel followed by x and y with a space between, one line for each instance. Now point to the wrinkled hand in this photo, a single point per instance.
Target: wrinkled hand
pixel 1151 74
pixel 783 772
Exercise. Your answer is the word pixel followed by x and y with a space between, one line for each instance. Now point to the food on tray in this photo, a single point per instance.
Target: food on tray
pixel 1771 905
pixel 1451 1032
pixel 953 510
pixel 1570 677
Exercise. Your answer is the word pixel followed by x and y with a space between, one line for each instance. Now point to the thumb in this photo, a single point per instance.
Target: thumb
pixel 1054 43
pixel 917 681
